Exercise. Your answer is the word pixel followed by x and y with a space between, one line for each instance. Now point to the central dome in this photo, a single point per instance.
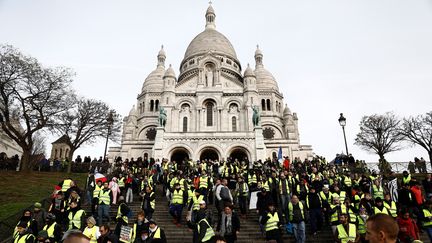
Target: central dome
pixel 210 40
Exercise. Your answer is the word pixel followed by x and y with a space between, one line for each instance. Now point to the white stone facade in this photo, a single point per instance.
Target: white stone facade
pixel 209 108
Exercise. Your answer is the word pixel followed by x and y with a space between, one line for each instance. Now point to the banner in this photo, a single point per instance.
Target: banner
pixel 125 234
pixel 253 200
pixel 392 185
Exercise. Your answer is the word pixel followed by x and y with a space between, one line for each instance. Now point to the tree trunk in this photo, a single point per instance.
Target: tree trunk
pixel 71 152
pixel 25 160
pixel 430 157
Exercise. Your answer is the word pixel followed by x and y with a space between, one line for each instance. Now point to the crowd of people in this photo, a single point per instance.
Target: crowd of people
pixel 357 207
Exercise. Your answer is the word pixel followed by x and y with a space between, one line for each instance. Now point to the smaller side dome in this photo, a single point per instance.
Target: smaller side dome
pixel 170 72
pixel 133 112
pixel 286 111
pixel 249 72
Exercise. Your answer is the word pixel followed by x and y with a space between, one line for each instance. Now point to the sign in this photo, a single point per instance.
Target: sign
pixel 125 234
pixel 253 200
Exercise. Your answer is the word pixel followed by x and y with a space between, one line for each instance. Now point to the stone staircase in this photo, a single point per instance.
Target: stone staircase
pixel 249 231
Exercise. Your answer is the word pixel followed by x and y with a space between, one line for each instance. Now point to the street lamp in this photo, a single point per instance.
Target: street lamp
pixel 342 122
pixel 110 121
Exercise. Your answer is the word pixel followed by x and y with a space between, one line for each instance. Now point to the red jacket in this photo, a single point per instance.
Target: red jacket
pixel 417 195
pixel 408 230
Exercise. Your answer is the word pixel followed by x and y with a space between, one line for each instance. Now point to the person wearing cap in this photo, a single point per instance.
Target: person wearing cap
pixel 148 204
pixel 326 200
pixel 39 215
pixel 203 230
pixel 104 202
pixel 75 216
pixel 194 204
pixel 92 231
pixel 345 231
pixel 156 234
pixel 54 230
pixel 297 216
pixel 42 236
pixel 23 234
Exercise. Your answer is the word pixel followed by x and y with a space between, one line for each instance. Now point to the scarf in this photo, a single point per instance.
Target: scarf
pixel 226 227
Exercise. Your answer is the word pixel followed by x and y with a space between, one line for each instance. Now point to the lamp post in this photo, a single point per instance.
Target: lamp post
pixel 110 121
pixel 342 122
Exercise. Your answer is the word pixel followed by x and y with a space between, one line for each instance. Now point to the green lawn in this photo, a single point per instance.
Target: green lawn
pixel 18 190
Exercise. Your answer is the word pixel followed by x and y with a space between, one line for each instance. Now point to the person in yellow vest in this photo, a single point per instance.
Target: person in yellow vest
pixel 242 190
pixel 345 231
pixel 104 203
pixel 194 205
pixel 27 219
pixel 326 199
pixel 335 210
pixel 156 234
pixel 339 194
pixel 297 216
pixel 406 178
pixel 23 234
pixel 54 230
pixel 92 231
pixel 205 233
pixel 95 199
pixel 426 218
pixel 139 228
pixel 65 184
pixel 203 185
pixel 75 217
pixel 379 207
pixel 148 203
pixel 123 212
pixel 390 205
pixel 361 223
pixel 272 221
pixel 177 203
pixel 377 190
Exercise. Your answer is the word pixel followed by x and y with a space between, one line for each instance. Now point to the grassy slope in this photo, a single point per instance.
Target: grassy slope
pixel 18 190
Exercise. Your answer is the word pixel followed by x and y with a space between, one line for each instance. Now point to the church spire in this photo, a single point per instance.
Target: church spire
pixel 258 57
pixel 161 57
pixel 210 17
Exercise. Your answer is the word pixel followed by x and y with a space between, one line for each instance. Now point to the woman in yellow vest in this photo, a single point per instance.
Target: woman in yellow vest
pixel 361 223
pixel 92 231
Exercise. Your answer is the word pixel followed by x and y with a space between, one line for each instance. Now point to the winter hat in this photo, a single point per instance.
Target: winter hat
pixel 42 234
pixel 37 205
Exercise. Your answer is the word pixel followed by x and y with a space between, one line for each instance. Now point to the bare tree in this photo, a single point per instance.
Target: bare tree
pixel 86 122
pixel 31 95
pixel 379 134
pixel 418 130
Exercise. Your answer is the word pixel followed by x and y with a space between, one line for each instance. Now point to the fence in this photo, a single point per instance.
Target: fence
pixel 397 167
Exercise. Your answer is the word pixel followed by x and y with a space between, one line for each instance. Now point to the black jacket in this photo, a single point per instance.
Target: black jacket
pixel 235 224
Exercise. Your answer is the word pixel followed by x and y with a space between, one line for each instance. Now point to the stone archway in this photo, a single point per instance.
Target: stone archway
pixel 179 155
pixel 209 154
pixel 240 154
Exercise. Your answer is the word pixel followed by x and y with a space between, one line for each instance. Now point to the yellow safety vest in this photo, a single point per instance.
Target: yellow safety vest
pixel 177 197
pixel 378 192
pixel 272 222
pixel 245 192
pixel 252 179
pixel 121 182
pixel 266 186
pixel 190 196
pixel 96 191
pixel 91 233
pixel 66 185
pixel 298 188
pixel 427 214
pixel 119 214
pixel 75 220
pixel 181 182
pixel 406 180
pixel 361 225
pixel 335 216
pixel 196 201
pixel 324 197
pixel 104 196
pixel 347 181
pixel 343 236
pixel 22 238
pixel 291 213
pixel 173 181
pixel 50 230
pixel 203 182
pixel 209 233
pixel 391 208
pixel 341 196
pixel 384 210
pixel 286 186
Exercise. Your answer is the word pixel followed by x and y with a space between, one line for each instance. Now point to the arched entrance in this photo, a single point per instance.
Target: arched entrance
pixel 239 154
pixel 209 154
pixel 179 155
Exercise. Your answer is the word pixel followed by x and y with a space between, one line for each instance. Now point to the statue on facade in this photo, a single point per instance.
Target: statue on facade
pixel 209 77
pixel 255 116
pixel 162 117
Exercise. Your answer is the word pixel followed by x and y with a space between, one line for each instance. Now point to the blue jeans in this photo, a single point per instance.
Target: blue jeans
pixel 103 211
pixel 299 232
pixel 429 232
pixel 176 211
pixel 285 199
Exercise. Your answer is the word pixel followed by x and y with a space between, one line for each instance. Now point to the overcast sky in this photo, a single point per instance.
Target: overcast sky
pixel 333 56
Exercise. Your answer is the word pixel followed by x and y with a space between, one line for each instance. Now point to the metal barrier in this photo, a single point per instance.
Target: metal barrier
pixel 397 167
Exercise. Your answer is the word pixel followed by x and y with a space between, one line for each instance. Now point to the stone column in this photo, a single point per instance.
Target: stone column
pixel 260 147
